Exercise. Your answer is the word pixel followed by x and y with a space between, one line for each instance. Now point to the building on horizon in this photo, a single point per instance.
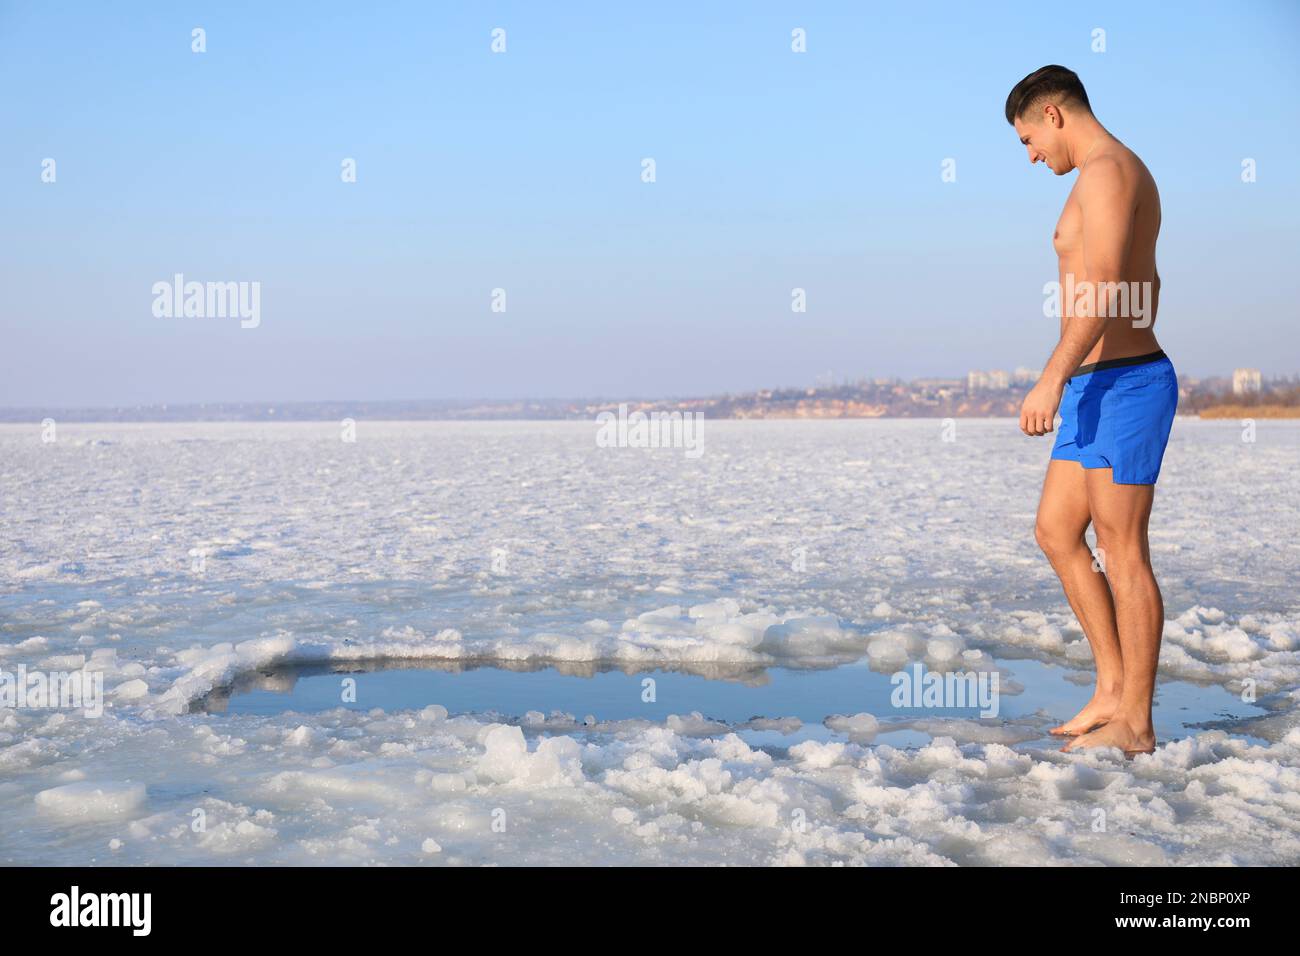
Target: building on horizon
pixel 994 381
pixel 1246 381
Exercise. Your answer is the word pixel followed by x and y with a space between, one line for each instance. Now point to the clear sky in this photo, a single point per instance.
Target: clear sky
pixel 522 171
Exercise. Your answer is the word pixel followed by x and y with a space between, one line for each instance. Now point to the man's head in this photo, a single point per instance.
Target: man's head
pixel 1041 108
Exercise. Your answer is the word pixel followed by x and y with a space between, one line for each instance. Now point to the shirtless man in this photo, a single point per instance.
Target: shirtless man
pixel 1116 392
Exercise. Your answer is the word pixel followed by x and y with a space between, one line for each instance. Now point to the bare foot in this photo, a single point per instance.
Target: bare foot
pixel 1119 733
pixel 1095 713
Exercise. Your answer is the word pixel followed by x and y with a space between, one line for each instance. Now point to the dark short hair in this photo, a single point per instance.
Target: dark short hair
pixel 1050 81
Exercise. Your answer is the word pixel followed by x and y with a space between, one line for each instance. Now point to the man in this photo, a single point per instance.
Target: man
pixel 1117 393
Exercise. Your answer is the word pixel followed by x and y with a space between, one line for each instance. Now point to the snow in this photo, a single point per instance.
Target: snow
pixel 175 558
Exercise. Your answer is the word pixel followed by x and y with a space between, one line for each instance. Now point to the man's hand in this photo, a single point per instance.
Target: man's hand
pixel 1038 413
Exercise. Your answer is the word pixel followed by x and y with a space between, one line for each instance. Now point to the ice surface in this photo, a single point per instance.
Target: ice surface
pixel 172 558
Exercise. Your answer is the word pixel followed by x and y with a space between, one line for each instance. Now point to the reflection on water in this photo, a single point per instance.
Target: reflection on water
pixel 283 678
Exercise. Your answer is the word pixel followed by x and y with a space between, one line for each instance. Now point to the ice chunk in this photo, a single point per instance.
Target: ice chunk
pixel 506 759
pixel 89 801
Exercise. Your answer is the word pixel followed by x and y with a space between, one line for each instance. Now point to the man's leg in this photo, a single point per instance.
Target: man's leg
pixel 1063 516
pixel 1120 514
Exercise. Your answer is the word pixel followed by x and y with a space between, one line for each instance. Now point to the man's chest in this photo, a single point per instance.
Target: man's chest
pixel 1068 237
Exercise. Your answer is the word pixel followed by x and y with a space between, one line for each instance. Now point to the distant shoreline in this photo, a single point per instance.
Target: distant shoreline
pixel 879 398
pixel 1250 411
pixel 1218 412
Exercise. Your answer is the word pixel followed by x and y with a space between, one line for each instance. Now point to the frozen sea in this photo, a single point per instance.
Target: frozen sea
pixel 563 653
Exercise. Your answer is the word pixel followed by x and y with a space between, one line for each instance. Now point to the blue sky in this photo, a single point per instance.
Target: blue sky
pixel 522 170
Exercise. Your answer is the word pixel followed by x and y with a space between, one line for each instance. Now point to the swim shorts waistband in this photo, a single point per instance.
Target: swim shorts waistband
pixel 1119 362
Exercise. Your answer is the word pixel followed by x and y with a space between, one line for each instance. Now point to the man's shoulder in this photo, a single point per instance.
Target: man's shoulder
pixel 1115 162
pixel 1116 171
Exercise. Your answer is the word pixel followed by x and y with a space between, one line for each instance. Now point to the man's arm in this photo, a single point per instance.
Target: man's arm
pixel 1107 200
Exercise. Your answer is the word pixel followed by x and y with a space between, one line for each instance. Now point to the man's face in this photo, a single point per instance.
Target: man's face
pixel 1044 142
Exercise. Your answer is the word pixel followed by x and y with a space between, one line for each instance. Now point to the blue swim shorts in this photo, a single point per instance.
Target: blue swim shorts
pixel 1117 414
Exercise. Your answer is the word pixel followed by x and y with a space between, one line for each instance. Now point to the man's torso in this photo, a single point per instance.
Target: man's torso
pixel 1130 334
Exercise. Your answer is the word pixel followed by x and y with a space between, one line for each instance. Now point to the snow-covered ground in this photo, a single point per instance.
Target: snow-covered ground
pixel 172 558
